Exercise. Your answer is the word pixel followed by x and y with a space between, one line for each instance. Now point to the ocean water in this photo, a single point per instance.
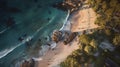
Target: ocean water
pixel 35 21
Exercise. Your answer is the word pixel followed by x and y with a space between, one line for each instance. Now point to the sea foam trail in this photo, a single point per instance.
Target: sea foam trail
pixel 7 28
pixel 4 30
pixel 53 44
pixel 7 51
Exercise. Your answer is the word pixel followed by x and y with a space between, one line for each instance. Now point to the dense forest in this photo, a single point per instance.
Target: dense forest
pixel 90 52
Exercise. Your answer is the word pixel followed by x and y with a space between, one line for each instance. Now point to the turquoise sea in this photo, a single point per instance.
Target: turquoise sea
pixel 33 20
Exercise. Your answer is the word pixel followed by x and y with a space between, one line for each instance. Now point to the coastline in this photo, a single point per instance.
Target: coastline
pixel 52 58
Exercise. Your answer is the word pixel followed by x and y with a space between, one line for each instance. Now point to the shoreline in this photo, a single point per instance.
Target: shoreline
pixel 45 61
pixel 54 57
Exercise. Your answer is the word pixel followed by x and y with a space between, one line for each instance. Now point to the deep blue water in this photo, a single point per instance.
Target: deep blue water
pixel 35 20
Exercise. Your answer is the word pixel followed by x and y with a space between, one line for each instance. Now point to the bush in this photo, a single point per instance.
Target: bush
pixel 85 39
pixel 94 43
pixel 116 40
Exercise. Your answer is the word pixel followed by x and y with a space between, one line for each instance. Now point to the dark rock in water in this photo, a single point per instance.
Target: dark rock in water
pixel 25 35
pixel 30 63
pixel 48 19
pixel 20 38
pixel 39 39
pixel 48 44
pixel 46 38
pixel 10 21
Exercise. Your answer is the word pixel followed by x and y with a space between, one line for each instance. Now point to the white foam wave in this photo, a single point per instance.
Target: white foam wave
pixel 53 45
pixel 7 51
pixel 65 21
pixel 43 26
pixel 37 59
pixel 4 30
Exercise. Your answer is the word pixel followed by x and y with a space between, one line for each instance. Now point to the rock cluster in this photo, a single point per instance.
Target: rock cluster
pixel 70 37
pixel 71 5
pixel 30 63
pixel 65 36
pixel 56 36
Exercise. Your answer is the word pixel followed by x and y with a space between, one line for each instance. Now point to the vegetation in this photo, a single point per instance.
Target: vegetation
pixel 85 39
pixel 116 40
pixel 108 18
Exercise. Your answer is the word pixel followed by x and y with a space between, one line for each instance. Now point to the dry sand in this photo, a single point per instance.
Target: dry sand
pixel 82 20
pixel 54 57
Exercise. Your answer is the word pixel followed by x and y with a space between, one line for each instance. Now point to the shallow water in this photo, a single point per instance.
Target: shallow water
pixel 36 21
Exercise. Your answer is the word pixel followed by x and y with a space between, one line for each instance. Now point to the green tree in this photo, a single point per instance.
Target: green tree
pixel 94 43
pixel 85 39
pixel 108 32
pixel 113 3
pixel 89 50
pixel 104 6
pixel 116 40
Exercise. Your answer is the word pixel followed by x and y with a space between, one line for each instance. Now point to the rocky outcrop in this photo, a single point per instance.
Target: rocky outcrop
pixel 30 63
pixel 71 5
pixel 56 36
pixel 65 36
pixel 69 38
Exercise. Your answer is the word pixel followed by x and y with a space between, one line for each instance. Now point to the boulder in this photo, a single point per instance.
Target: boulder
pixel 56 36
pixel 70 38
pixel 30 63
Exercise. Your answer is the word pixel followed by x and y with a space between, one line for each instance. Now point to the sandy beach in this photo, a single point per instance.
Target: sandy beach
pixel 82 20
